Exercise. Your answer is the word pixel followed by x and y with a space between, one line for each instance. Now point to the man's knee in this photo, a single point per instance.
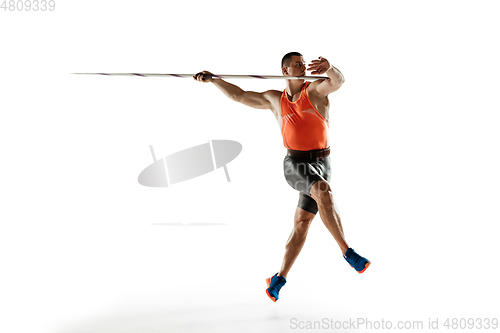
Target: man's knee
pixel 302 225
pixel 322 192
pixel 303 220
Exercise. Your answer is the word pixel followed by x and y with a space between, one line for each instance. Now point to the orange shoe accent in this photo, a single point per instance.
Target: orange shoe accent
pixel 268 282
pixel 366 266
pixel 271 297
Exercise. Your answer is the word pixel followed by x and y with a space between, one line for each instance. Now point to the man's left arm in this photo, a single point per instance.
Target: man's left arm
pixel 327 86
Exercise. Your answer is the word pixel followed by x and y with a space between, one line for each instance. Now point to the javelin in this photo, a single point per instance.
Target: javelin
pixel 208 76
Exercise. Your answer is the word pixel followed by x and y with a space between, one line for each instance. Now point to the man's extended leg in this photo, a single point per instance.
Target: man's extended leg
pixel 301 223
pixel 322 193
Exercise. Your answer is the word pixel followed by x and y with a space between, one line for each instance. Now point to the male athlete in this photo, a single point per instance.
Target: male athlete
pixel 302 113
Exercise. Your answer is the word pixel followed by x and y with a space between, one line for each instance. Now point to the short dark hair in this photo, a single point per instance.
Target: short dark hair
pixel 285 62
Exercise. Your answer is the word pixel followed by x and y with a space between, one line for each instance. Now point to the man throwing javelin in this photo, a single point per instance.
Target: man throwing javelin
pixel 302 113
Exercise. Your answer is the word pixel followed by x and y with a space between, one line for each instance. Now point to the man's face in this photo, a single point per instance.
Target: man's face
pixel 297 67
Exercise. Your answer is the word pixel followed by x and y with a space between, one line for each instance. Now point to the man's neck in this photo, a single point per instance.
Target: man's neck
pixel 294 86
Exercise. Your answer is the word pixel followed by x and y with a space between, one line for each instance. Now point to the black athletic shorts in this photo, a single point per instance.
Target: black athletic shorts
pixel 301 174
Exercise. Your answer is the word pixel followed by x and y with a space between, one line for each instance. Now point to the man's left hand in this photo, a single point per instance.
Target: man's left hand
pixel 319 66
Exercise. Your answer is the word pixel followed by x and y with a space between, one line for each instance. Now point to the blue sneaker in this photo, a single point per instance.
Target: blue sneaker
pixel 356 261
pixel 274 285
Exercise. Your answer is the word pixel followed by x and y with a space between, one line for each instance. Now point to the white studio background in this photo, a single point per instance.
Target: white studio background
pixel 414 132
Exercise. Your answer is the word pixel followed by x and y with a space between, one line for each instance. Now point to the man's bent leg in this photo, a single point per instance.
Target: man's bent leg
pixel 302 221
pixel 321 192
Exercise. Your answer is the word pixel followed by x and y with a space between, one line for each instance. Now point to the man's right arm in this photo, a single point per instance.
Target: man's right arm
pixel 248 98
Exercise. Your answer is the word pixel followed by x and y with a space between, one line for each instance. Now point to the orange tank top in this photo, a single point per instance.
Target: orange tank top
pixel 302 127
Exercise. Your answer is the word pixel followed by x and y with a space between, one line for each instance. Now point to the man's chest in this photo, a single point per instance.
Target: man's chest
pixel 286 113
pixel 299 103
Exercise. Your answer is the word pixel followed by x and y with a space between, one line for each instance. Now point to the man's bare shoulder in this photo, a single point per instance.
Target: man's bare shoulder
pixel 314 85
pixel 274 97
pixel 273 94
pixel 322 87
